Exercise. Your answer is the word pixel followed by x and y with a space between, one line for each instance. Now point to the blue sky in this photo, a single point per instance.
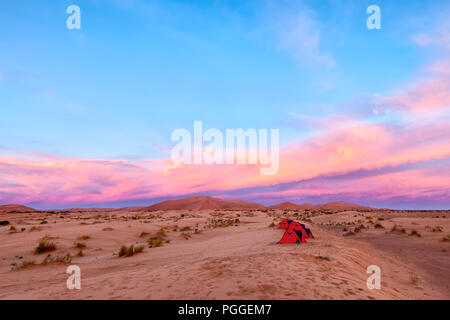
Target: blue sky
pixel 139 69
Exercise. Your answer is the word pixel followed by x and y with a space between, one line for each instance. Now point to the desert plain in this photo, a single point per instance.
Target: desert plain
pixel 207 248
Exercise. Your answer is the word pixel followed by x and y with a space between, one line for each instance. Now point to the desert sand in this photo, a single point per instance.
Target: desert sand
pixel 225 254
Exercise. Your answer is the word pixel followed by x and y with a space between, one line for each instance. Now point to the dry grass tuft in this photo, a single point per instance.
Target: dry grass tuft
pixel 45 246
pixel 130 251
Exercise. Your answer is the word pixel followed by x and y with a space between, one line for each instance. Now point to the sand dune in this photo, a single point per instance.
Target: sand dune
pixel 203 203
pixel 15 208
pixel 213 254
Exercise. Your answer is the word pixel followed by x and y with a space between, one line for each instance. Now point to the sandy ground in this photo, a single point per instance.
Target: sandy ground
pixel 227 258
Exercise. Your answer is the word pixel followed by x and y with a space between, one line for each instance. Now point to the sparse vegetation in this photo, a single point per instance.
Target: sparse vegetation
pixel 45 246
pixel 84 237
pixel 186 235
pixel 154 242
pixel 4 223
pixel 35 228
pixel 398 229
pixel 446 238
pixel 414 279
pixel 143 234
pixel 378 226
pixel 108 229
pixel 58 259
pixel 130 251
pixel 80 245
pixel 23 265
pixel 326 258
pixel 415 233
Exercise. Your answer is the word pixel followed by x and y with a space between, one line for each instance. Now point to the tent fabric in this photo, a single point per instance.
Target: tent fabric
pixel 284 224
pixel 295 233
pixel 308 231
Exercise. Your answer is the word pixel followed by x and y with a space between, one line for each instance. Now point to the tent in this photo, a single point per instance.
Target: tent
pixel 308 231
pixel 284 224
pixel 294 234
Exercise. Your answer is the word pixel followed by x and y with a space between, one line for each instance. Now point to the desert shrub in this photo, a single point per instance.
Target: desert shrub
pixel 446 239
pixel 108 229
pixel 397 229
pixel 45 246
pixel 58 259
pixel 138 249
pixel 272 225
pixel 186 235
pixel 326 258
pixel 80 253
pixel 161 233
pixel 44 222
pixel 378 226
pixel 12 229
pixel 130 251
pixel 80 245
pixel 84 237
pixel 415 233
pixel 143 234
pixel 4 223
pixel 24 264
pixel 414 279
pixel 185 229
pixel 35 228
pixel 154 242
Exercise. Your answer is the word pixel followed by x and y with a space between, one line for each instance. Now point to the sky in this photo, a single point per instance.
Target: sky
pixel 87 115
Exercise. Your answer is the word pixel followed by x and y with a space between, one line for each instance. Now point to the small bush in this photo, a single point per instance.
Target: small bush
pixel 326 258
pixel 378 226
pixel 84 237
pixel 44 222
pixel 80 245
pixel 154 242
pixel 415 233
pixel 108 229
pixel 4 223
pixel 12 229
pixel 185 229
pixel 397 229
pixel 186 235
pixel 446 239
pixel 272 225
pixel 45 246
pixel 414 279
pixel 143 234
pixel 58 259
pixel 25 264
pixel 130 251
pixel 161 233
pixel 35 228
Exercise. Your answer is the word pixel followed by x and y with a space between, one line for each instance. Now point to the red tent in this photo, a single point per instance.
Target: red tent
pixel 294 234
pixel 284 224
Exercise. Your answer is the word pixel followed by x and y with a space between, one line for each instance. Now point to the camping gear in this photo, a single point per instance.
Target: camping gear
pixel 295 233
pixel 284 224
pixel 308 231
